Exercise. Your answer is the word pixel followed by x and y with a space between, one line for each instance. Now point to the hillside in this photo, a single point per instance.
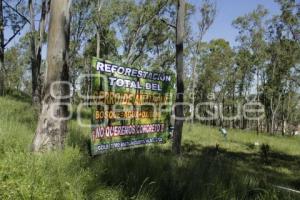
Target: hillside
pixel 241 167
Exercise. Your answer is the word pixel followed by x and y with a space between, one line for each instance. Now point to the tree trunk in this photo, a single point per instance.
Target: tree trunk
pixel 193 93
pixel 257 99
pixel 36 43
pixel 34 70
pixel 98 26
pixel 51 131
pixel 272 124
pixel 98 43
pixel 179 70
pixel 233 106
pixel 283 128
pixel 2 87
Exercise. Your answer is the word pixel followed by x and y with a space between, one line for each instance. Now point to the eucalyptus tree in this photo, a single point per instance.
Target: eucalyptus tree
pixel 289 20
pixel 208 10
pixel 11 18
pixel 252 33
pixel 102 25
pixel 79 37
pixel 16 64
pixel 52 126
pixel 176 146
pixel 216 76
pixel 37 38
pixel 244 77
pixel 103 14
pixel 269 49
pixel 140 28
pixel 281 81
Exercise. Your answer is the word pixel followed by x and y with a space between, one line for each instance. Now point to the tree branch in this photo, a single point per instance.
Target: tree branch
pixel 18 3
pixel 14 35
pixel 167 23
pixel 21 15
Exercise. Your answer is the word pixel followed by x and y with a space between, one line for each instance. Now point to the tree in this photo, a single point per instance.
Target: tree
pixel 15 62
pixel 244 77
pixel 269 55
pixel 207 14
pixel 1 49
pixel 36 43
pixel 51 130
pixel 79 37
pixel 102 35
pixel 138 32
pixel 179 70
pixel 251 37
pixel 8 13
pixel 216 74
pixel 281 79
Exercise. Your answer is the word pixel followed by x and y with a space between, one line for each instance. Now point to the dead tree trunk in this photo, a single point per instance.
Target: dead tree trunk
pixel 52 128
pixel 2 88
pixel 179 70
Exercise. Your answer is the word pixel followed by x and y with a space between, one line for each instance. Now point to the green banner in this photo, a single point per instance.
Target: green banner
pixel 131 107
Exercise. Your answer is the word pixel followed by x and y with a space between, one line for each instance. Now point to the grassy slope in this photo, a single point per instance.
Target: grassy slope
pixel 235 171
pixel 241 140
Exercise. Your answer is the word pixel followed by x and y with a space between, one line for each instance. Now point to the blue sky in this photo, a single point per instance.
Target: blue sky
pixel 227 11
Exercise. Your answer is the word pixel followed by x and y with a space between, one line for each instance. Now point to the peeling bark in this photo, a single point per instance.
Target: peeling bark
pixel 51 131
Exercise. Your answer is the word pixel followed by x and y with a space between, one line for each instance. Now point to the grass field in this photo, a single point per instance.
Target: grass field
pixel 237 169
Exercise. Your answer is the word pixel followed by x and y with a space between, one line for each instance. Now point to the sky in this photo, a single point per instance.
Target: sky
pixel 227 11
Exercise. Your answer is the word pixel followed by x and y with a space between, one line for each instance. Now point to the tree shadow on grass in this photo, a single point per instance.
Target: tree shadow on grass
pixel 199 173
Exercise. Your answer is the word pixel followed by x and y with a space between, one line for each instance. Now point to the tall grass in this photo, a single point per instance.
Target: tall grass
pixel 232 171
pixel 240 140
